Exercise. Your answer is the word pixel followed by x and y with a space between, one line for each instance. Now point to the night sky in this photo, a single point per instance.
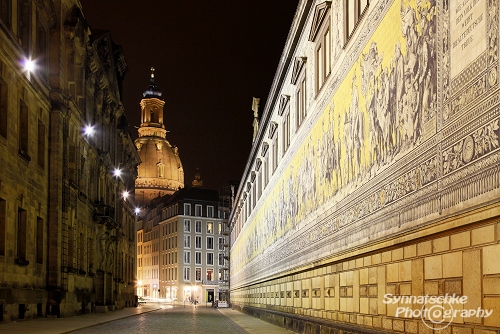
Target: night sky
pixel 211 58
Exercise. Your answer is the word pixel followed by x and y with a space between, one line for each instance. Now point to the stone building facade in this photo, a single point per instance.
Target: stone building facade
pixel 67 237
pixel 183 244
pixel 374 178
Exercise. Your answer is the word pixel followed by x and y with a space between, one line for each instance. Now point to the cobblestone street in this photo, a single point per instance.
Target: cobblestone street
pixel 178 319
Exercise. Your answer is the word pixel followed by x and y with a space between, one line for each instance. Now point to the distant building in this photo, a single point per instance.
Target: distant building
pixel 160 171
pixel 183 248
pixel 67 237
pixel 374 174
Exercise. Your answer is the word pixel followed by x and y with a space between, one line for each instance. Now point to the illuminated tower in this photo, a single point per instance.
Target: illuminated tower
pixel 160 172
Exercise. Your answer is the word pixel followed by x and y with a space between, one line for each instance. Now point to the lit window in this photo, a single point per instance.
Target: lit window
pixel 210 227
pixel 210 274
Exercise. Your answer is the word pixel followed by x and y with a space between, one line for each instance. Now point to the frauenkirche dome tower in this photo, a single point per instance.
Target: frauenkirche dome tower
pixel 160 172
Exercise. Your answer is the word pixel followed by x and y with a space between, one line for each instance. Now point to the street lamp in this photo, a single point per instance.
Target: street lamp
pixel 29 65
pixel 88 130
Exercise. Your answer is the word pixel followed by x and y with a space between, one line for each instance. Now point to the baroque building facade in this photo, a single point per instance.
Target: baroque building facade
pixel 374 180
pixel 160 172
pixel 67 237
pixel 183 244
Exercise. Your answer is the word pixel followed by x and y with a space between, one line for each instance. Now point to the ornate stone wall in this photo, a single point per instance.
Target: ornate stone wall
pixel 401 142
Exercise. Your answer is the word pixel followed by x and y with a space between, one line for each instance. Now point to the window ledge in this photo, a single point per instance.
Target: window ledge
pixel 24 155
pixel 21 262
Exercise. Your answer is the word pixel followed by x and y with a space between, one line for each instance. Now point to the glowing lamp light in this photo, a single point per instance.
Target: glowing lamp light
pixel 89 131
pixel 117 172
pixel 29 65
pixel 125 194
pixel 137 211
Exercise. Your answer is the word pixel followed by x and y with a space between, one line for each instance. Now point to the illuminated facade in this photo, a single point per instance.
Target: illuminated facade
pixel 160 171
pixel 182 248
pixel 375 169
pixel 67 238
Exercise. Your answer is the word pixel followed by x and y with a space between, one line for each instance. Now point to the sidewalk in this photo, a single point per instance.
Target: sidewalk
pixel 252 325
pixel 66 325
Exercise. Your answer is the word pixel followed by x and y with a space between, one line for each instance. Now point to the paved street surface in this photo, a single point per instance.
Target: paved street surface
pixel 149 319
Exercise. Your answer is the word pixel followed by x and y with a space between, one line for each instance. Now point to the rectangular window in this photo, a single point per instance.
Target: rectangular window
pixel 3 108
pixel 41 51
pixel 40 227
pixel 210 243
pixel 187 257
pixel 353 11
pixel 210 274
pixel 210 211
pixel 210 227
pixel 197 243
pixel 198 210
pixel 286 132
pixel 24 17
pixel 81 254
pixel 328 51
pixel 300 102
pixel 187 209
pixel 22 217
pixel 197 274
pixel 221 244
pixel 197 258
pixel 187 225
pixel 41 144
pixel 6 12
pixel 197 226
pixel 275 152
pixel 90 253
pixel 23 130
pixel 320 73
pixel 221 259
pixel 210 259
pixel 265 170
pixel 187 273
pixel 323 56
pixel 3 224
pixel 187 241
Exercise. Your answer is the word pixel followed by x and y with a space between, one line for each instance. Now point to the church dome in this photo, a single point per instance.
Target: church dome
pixel 160 172
pixel 161 166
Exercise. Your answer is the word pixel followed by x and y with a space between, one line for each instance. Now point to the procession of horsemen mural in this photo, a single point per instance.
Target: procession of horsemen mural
pixel 392 97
